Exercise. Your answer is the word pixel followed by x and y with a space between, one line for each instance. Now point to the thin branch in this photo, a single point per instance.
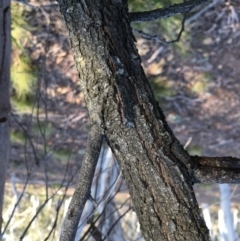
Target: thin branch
pixel 201 12
pixel 181 31
pixel 91 216
pixel 155 38
pixel 33 219
pixel 27 135
pixel 115 223
pixel 57 213
pixel 147 36
pixel 111 190
pixel 165 12
pixel 223 199
pixel 216 169
pixel 15 207
pixel 47 199
pixel 62 199
pixel 43 206
pixel 88 232
pixel 96 233
pixel 82 191
pixel 100 171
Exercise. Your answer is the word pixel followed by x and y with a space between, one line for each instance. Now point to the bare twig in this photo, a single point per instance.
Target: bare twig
pixel 226 198
pixel 119 218
pixel 93 222
pixel 109 199
pixel 62 198
pixel 181 30
pixel 15 207
pixel 111 190
pixel 44 101
pixel 88 232
pixel 165 12
pixel 48 198
pixel 58 209
pixel 34 217
pixel 147 36
pixel 199 13
pixel 27 135
pixel 188 142
pixel 157 39
pixel 24 4
pixel 103 152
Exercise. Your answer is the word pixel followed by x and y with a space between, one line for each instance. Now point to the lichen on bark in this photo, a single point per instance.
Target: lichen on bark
pixel 119 99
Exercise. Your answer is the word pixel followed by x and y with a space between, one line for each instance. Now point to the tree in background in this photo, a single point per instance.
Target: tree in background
pixel 5 53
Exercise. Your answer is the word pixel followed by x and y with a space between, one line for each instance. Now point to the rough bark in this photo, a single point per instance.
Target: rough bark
pixel 5 53
pixel 119 99
pixel 82 191
pixel 215 169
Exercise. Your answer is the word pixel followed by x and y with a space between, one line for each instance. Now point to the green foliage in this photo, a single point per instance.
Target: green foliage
pixel 194 150
pixel 23 105
pixel 44 127
pixel 162 87
pixel 23 73
pixel 201 83
pixel 17 137
pixel 143 5
pixel 167 28
pixel 63 155
pixel 23 78
pixel 199 87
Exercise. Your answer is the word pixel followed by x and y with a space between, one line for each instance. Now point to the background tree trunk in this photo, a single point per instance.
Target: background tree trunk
pixel 119 99
pixel 5 53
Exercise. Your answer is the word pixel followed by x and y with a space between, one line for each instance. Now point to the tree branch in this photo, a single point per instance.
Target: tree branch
pixel 216 169
pixel 165 12
pixel 157 39
pixel 82 192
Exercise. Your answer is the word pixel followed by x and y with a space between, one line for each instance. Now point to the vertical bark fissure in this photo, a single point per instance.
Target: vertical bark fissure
pixel 119 99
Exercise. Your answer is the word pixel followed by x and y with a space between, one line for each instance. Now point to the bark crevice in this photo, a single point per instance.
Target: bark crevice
pixel 153 163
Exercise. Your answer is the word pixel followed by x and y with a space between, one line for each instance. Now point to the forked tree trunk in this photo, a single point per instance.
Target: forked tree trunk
pixel 120 101
pixel 5 53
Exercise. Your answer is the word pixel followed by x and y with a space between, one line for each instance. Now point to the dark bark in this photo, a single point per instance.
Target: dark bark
pixel 166 12
pixel 120 100
pixel 5 53
pixel 216 169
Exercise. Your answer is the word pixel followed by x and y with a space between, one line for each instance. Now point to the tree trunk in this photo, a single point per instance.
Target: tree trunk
pixel 5 53
pixel 119 99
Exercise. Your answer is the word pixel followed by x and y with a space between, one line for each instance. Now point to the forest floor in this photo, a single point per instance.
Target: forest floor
pixel 196 81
